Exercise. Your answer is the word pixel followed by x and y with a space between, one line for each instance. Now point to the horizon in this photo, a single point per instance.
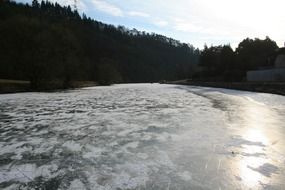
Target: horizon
pixel 206 24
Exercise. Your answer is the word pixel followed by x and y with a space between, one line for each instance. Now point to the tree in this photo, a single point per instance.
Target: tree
pixel 222 63
pixel 35 4
pixel 253 53
pixel 107 72
pixel 218 63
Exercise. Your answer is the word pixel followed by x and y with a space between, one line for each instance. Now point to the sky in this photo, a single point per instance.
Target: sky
pixel 198 22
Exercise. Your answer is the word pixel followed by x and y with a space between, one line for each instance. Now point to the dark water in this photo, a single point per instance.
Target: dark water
pixel 142 136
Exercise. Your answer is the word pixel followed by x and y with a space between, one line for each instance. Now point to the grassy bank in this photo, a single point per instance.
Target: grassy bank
pixel 15 86
pixel 12 86
pixel 265 87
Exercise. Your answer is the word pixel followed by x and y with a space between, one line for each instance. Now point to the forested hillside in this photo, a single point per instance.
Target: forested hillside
pixel 46 43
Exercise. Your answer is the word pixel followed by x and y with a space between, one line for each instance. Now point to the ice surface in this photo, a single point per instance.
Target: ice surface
pixel 142 136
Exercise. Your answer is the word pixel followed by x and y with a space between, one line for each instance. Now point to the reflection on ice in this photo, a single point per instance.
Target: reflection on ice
pixel 258 119
pixel 250 177
pixel 256 135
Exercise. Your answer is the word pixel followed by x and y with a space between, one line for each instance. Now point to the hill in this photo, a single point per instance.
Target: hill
pixel 46 43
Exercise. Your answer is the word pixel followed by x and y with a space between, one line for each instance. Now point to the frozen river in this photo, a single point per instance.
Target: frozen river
pixel 142 136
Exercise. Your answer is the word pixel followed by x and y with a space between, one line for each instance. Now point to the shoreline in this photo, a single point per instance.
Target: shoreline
pixel 263 87
pixel 18 86
pixel 14 86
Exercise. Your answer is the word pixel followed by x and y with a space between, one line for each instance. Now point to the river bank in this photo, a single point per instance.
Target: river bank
pixel 16 86
pixel 265 87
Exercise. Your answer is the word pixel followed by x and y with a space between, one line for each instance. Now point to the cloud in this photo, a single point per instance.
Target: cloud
pixel 186 26
pixel 160 23
pixel 81 6
pixel 222 31
pixel 108 8
pixel 138 14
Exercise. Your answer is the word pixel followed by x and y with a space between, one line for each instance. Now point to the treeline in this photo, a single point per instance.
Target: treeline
pixel 222 63
pixel 52 45
pixel 46 43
